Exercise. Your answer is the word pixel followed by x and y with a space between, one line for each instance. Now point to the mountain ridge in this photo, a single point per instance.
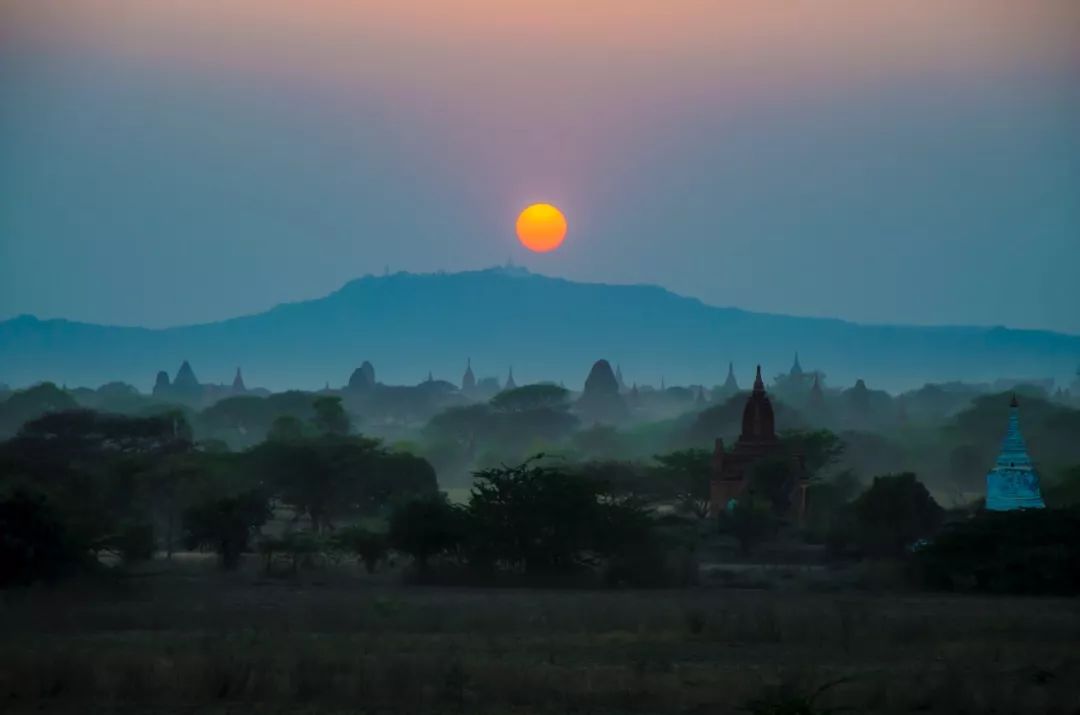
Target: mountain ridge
pixel 548 327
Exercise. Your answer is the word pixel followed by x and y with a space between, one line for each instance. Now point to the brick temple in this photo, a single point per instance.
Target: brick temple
pixel 732 470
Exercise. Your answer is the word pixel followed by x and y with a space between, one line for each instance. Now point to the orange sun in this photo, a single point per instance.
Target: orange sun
pixel 541 228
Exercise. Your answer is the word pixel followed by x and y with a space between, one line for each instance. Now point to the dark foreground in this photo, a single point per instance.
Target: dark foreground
pixel 189 641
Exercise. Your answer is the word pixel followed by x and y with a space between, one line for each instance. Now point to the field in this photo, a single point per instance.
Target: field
pixel 193 640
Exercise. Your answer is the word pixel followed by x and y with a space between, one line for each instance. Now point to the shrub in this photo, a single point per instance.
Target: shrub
pixel 370 547
pixel 133 541
pixel 894 513
pixel 751 521
pixel 226 524
pixel 426 526
pixel 1034 551
pixel 34 543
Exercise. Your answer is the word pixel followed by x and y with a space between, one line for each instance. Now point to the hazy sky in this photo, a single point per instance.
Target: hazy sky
pixel 178 161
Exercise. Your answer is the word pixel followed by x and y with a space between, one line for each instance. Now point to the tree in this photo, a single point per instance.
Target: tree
pixel 1025 551
pixel 465 426
pixel 819 449
pixel 774 481
pixel 599 441
pixel 25 405
pixel 285 429
pixel 826 499
pixel 894 513
pixel 369 546
pixel 322 478
pixel 542 520
pixel 330 417
pixel 426 526
pixel 226 523
pixel 35 544
pixel 1065 491
pixel 751 521
pixel 95 470
pixel 532 397
pixel 686 475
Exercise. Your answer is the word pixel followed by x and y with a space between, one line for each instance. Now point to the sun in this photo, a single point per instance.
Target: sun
pixel 541 228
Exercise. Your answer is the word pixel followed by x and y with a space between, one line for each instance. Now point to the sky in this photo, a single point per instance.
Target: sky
pixel 183 161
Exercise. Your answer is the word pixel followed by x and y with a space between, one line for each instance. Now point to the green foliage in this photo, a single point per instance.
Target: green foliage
pixel 894 513
pixel 479 429
pixel 369 546
pixel 286 429
pixel 1031 551
pixel 775 481
pixel 95 470
pixel 826 500
pixel 35 544
pixel 599 441
pixel 133 540
pixel 532 397
pixel 22 406
pixel 751 521
pixel 329 477
pixel 427 526
pixel 330 417
pixel 1065 491
pixel 540 519
pixel 685 475
pixel 819 449
pixel 298 547
pixel 226 524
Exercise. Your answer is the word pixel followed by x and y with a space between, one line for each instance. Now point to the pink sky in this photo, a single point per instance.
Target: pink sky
pixel 787 133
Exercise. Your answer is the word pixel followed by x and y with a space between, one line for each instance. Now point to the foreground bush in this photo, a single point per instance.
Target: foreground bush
pixel 34 545
pixel 1034 551
pixel 896 512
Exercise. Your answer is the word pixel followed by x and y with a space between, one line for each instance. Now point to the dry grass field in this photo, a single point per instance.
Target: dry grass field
pixel 192 640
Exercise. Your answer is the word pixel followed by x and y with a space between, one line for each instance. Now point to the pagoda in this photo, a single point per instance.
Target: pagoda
pixel 730 386
pixel 238 382
pixel 731 470
pixel 1013 482
pixel 468 381
pixel 796 371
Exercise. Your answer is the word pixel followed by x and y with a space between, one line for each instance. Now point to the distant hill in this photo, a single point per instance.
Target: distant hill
pixel 546 328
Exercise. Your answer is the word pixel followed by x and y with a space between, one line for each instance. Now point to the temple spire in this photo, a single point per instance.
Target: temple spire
pixel 468 381
pixel 238 382
pixel 731 385
pixel 1013 482
pixel 759 384
pixel 796 368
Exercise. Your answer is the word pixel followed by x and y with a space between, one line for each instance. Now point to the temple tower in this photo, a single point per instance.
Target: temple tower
pixel 731 470
pixel 510 384
pixel 1013 482
pixel 758 421
pixel 468 381
pixel 161 384
pixel 238 382
pixel 731 385
pixel 796 369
